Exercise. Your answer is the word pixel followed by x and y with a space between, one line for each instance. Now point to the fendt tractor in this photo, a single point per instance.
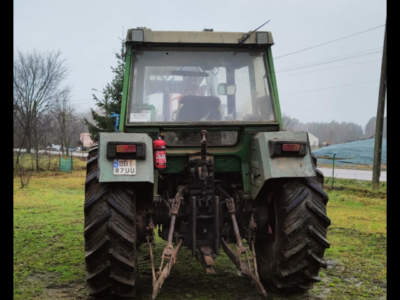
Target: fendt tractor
pixel 201 158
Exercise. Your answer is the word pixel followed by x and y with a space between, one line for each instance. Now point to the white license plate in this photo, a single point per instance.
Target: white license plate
pixel 124 167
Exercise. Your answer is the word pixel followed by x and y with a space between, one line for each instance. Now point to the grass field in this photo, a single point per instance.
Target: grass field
pixel 49 251
pixel 362 167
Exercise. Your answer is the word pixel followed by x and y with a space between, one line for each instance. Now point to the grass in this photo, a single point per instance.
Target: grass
pixel 48 237
pixel 49 251
pixel 350 166
pixel 358 242
pixel 48 163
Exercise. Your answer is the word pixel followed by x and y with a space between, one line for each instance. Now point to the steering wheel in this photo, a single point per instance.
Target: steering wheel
pixel 173 117
pixel 205 117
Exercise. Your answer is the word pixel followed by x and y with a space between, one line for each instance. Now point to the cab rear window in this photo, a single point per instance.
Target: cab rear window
pixel 187 87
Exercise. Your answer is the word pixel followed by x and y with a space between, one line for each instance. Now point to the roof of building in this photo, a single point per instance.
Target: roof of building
pixel 310 135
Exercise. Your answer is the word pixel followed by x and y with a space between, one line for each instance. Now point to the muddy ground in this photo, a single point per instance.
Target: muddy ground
pixel 188 280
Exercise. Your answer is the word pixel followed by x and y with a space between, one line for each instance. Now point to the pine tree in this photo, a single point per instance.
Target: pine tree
pixel 110 102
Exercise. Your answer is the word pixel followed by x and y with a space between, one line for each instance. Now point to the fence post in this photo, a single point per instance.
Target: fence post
pixel 333 169
pixel 72 162
pixel 59 161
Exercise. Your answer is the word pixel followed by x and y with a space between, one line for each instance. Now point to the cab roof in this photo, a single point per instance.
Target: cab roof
pixel 145 35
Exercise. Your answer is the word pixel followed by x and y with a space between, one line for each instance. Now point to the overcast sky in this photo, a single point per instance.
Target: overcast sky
pixel 88 33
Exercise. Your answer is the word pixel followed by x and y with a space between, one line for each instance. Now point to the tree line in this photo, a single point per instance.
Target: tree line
pixel 333 132
pixel 370 127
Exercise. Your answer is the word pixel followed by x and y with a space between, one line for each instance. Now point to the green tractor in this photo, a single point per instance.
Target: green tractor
pixel 201 155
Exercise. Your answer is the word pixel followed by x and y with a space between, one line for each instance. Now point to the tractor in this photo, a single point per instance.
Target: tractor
pixel 201 158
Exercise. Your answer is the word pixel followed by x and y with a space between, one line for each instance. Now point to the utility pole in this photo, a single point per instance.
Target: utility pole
pixel 379 117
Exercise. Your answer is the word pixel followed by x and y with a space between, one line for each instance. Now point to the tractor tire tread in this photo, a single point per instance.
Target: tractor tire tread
pixel 110 236
pixel 293 258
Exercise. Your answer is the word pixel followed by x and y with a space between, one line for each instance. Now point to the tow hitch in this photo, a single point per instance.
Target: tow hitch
pixel 169 254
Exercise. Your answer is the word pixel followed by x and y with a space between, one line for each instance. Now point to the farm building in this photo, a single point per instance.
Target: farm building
pixel 313 140
pixel 85 139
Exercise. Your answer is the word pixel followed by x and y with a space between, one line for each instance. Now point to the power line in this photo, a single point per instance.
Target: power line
pixel 332 87
pixel 330 58
pixel 345 37
pixel 315 63
pixel 331 68
pixel 328 62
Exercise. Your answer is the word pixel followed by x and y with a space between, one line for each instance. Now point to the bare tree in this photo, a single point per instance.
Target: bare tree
pixel 68 122
pixel 24 176
pixel 289 123
pixel 36 83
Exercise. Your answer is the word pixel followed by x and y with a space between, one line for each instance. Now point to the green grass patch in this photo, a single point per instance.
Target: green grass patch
pixel 362 188
pixel 358 237
pixel 48 233
pixel 350 166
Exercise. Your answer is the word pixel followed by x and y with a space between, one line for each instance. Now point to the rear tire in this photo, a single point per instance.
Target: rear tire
pixel 110 236
pixel 294 214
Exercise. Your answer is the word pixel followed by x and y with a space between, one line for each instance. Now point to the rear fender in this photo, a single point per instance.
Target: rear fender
pixel 265 166
pixel 144 167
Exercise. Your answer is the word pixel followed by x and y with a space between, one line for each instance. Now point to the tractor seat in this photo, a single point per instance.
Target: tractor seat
pixel 194 108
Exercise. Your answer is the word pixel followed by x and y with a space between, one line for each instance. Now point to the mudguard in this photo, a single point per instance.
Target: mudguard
pixel 264 165
pixel 144 167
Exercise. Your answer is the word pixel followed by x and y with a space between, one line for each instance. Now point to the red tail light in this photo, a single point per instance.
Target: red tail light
pixel 126 148
pixel 279 148
pixel 291 147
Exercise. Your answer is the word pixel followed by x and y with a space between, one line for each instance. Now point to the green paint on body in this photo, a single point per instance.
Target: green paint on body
pixel 274 87
pixel 125 89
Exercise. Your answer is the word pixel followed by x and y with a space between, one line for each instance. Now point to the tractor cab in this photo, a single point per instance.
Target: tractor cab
pixel 198 79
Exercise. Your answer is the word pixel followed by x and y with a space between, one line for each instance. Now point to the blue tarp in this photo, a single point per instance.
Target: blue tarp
pixel 358 152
